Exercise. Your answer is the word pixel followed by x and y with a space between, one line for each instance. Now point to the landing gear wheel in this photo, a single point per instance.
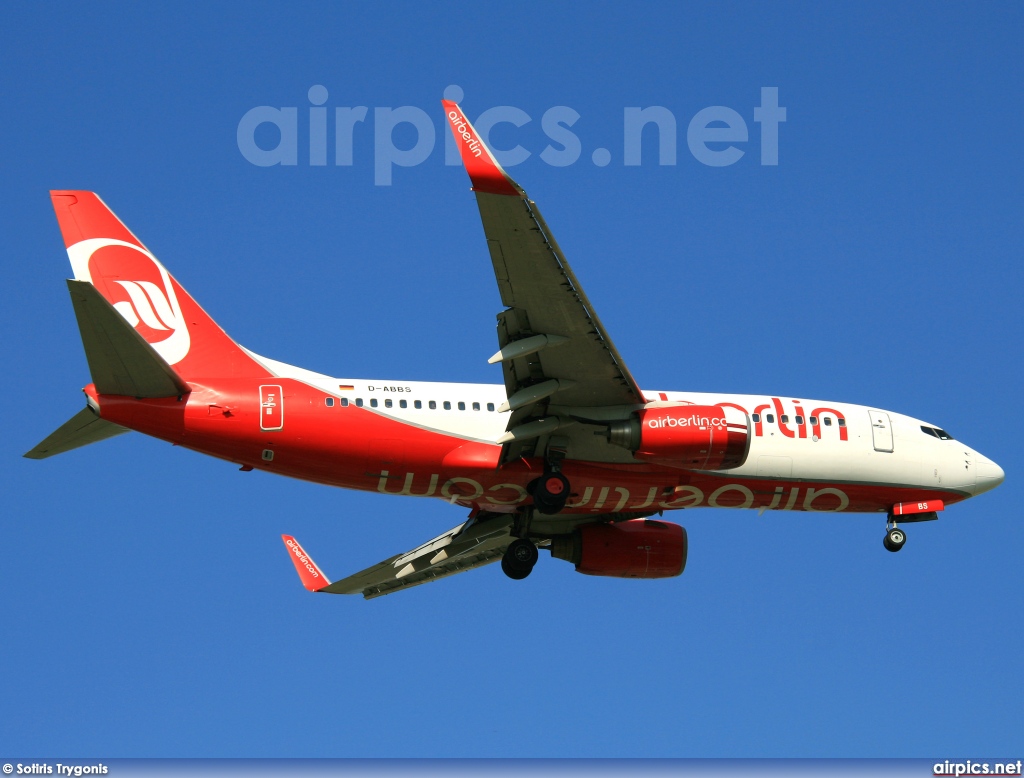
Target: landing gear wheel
pixel 894 539
pixel 550 493
pixel 513 573
pixel 519 559
pixel 522 553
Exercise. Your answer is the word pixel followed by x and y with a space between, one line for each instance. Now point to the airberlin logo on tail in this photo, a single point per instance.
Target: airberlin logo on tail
pixel 119 269
pixel 148 304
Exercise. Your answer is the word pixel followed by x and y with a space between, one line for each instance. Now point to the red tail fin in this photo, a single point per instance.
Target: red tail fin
pixel 106 254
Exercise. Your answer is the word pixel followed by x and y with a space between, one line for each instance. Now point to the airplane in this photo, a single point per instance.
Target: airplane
pixel 568 454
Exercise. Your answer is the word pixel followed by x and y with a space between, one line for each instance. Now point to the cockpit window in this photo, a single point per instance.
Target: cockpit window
pixel 935 432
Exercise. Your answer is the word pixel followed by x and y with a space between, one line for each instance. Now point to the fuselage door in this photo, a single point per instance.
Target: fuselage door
pixel 271 408
pixel 881 430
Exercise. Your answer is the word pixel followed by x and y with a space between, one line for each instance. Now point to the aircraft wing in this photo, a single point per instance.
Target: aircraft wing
pixel 553 348
pixel 472 544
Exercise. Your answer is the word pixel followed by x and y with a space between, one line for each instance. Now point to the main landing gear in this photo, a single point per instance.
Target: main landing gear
pixel 550 492
pixel 894 536
pixel 520 557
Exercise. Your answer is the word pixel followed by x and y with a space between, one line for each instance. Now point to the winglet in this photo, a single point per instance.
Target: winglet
pixel 484 171
pixel 312 576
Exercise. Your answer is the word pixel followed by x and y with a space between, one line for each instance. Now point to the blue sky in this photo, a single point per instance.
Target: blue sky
pixel 148 604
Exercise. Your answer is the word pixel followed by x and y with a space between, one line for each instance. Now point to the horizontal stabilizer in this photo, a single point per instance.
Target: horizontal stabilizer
pixel 120 360
pixel 83 428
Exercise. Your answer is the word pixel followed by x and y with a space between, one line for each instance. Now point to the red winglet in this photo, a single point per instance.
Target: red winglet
pixel 311 575
pixel 484 170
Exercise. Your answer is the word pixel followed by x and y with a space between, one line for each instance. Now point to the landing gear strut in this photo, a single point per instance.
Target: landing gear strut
pixel 519 559
pixel 894 536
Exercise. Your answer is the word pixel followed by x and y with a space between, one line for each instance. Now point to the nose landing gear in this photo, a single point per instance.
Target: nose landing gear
pixel 894 536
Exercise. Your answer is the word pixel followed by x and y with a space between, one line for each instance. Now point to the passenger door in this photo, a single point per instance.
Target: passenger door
pixel 881 430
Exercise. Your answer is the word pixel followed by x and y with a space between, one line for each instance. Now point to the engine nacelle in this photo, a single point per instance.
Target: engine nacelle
pixel 639 548
pixel 694 437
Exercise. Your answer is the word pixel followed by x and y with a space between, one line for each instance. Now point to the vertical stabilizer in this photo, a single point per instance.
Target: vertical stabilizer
pixel 107 254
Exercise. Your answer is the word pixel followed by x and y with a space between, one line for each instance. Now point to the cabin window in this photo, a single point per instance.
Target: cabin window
pixel 490 406
pixel 842 422
pixel 828 421
pixel 344 402
pixel 433 405
pixel 476 406
pixel 799 419
pixel 359 402
pixel 770 418
pixel 373 402
pixel 784 418
pixel 403 404
pixel 447 405
pixel 462 406
pixel 330 402
pixel 756 417
pixel 417 404
pixel 387 403
pixel 814 421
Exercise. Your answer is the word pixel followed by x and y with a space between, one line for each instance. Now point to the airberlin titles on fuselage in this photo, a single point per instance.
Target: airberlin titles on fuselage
pixel 692 420
pixel 618 499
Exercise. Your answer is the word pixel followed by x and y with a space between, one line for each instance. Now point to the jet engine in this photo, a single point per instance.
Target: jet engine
pixel 639 548
pixel 694 437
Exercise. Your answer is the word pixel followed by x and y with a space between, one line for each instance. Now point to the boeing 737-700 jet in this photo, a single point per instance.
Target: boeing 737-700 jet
pixel 568 454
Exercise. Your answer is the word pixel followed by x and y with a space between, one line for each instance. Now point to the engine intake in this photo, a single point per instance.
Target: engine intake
pixel 694 437
pixel 640 548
